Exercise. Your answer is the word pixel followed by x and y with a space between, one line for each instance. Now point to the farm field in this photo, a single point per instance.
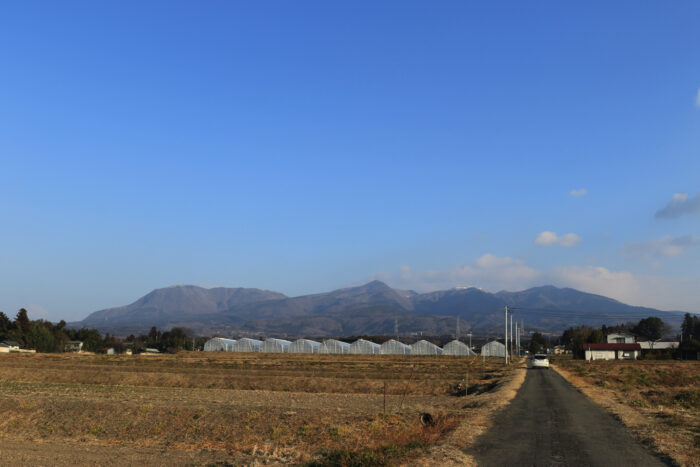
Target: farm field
pixel 200 408
pixel 659 401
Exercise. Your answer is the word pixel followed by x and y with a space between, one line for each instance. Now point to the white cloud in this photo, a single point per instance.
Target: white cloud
pixel 661 247
pixel 504 273
pixel 621 285
pixel 488 271
pixel 680 205
pixel 548 238
pixel 665 293
pixel 578 193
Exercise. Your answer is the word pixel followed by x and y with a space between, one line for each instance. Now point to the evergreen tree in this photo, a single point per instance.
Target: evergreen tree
pixel 22 322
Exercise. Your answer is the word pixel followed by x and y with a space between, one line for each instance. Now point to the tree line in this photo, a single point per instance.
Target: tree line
pixel 45 336
pixel 652 328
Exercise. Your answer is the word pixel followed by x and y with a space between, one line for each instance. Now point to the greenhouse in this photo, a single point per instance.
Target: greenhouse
pixel 394 347
pixel 304 346
pixel 424 347
pixel 247 345
pixel 493 349
pixel 272 345
pixel 363 347
pixel 219 344
pixel 457 348
pixel 332 346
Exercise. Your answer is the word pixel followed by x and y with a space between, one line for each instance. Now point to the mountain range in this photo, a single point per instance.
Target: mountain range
pixel 373 308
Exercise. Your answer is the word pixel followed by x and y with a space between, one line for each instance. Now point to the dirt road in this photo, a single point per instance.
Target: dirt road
pixel 549 423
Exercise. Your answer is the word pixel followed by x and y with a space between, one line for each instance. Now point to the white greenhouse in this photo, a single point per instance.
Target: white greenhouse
pixel 247 345
pixel 457 348
pixel 304 346
pixel 219 344
pixel 273 345
pixel 493 349
pixel 363 347
pixel 424 347
pixel 332 346
pixel 394 347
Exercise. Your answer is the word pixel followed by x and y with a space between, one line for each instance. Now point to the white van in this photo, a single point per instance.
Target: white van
pixel 540 361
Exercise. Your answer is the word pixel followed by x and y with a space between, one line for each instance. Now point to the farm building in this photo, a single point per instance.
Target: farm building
pixel 363 347
pixel 219 344
pixel 246 345
pixel 394 347
pixel 9 346
pixel 457 348
pixel 304 346
pixel 612 351
pixel 493 349
pixel 620 338
pixel 332 346
pixel 73 346
pixel 424 347
pixel 273 345
pixel 658 345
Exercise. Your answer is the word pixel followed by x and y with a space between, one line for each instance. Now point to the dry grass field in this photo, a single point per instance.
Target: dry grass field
pixel 658 400
pixel 222 408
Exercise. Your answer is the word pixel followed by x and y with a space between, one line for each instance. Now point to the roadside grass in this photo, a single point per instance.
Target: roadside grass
pixel 320 410
pixel 664 393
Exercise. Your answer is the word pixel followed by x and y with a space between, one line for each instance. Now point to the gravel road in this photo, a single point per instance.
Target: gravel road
pixel 549 423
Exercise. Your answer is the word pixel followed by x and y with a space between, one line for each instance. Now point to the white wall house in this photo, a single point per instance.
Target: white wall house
pixel 620 338
pixel 658 345
pixel 612 351
pixel 9 346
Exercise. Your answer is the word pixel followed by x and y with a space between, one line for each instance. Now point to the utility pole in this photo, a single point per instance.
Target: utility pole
pixel 511 336
pixel 396 328
pixel 517 343
pixel 505 341
pixel 457 335
pixel 470 341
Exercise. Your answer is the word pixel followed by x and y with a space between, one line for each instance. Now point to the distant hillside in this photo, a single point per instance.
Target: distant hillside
pixel 368 309
pixel 176 305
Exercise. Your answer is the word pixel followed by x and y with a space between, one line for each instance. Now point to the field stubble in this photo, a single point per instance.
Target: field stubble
pixel 244 408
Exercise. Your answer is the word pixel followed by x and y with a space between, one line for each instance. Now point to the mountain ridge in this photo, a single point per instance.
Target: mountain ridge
pixel 374 306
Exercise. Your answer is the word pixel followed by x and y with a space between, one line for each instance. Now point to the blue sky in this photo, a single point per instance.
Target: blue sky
pixel 306 146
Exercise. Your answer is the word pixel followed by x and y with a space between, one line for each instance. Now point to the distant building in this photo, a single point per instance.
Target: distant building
pixel 658 345
pixel 624 351
pixel 73 346
pixel 620 338
pixel 9 346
